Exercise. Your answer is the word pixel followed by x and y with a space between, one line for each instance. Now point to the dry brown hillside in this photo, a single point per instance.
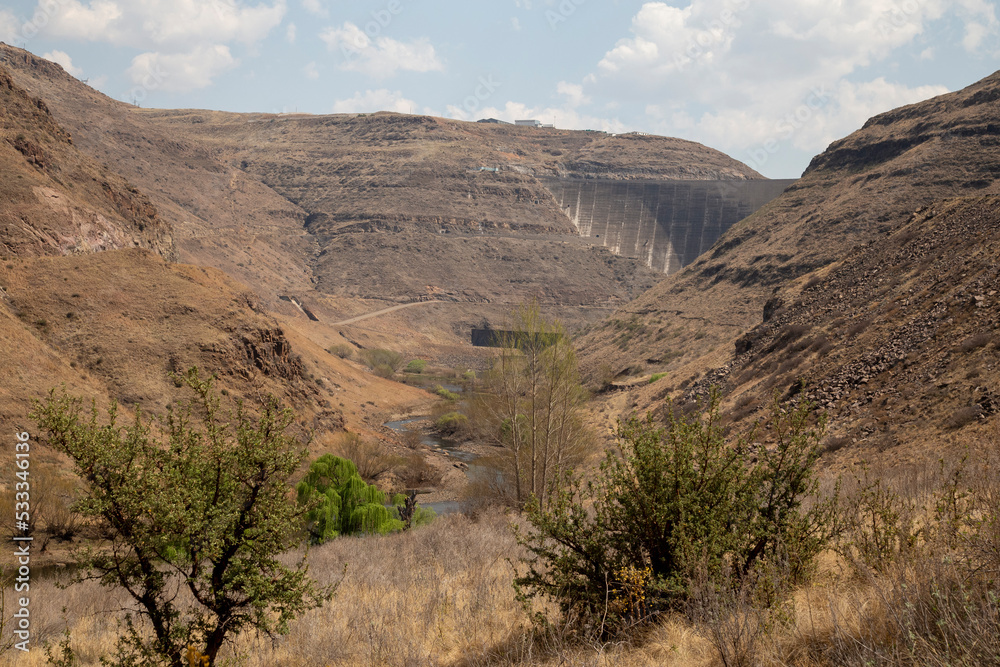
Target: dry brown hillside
pixel 55 198
pixel 353 213
pixel 220 216
pixel 898 342
pixel 861 189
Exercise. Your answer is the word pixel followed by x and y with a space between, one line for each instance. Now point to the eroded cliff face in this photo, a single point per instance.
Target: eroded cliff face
pixel 665 224
pixel 56 199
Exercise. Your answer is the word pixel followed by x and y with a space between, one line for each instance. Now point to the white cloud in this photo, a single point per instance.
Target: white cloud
pixel 311 71
pixel 99 82
pixel 315 7
pixel 180 72
pixel 185 43
pixel 573 93
pixel 975 35
pixel 291 33
pixel 375 100
pixel 515 23
pixel 379 57
pixel 62 58
pixel 10 27
pixel 169 25
pixel 737 75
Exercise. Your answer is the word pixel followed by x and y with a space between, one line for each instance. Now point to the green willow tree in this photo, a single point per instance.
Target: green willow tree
pixel 533 404
pixel 195 503
pixel 341 503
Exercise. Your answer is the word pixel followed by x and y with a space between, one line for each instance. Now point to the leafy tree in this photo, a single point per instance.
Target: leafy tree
pixel 678 504
pixel 195 502
pixel 533 403
pixel 341 502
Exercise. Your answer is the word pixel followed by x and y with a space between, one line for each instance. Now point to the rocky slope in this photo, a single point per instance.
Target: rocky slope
pixel 220 216
pixel 861 189
pixel 348 212
pixel 898 342
pixel 56 199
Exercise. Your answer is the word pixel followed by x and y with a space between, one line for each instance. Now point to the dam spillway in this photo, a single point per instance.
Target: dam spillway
pixel 667 224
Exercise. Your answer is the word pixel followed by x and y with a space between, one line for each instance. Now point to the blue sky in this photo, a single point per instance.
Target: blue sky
pixel 770 82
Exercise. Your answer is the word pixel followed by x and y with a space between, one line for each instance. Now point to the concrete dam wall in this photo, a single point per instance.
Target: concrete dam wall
pixel 666 223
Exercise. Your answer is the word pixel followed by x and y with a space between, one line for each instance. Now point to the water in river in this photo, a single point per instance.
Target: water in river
pixel 449 447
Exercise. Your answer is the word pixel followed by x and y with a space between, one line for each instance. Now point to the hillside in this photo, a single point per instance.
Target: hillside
pixel 219 216
pixel 861 189
pixel 56 199
pixel 316 207
pixel 897 341
pixel 89 298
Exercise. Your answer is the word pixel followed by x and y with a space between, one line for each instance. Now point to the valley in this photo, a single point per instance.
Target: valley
pixel 341 262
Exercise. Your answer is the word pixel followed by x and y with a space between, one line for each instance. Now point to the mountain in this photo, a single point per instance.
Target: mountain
pixel 898 341
pixel 861 189
pixel 58 200
pixel 351 213
pixel 90 297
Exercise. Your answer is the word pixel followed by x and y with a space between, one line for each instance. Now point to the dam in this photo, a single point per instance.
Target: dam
pixel 667 224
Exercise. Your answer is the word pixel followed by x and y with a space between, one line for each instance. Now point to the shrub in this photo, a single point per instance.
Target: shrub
pixel 415 471
pixel 376 359
pixel 367 456
pixel 445 394
pixel 963 416
pixel 685 504
pixel 859 327
pixel 384 371
pixel 975 342
pixel 451 423
pixel 343 350
pixel 656 377
pixel 416 366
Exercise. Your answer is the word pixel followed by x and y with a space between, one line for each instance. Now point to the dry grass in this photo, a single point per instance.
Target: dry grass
pixel 441 595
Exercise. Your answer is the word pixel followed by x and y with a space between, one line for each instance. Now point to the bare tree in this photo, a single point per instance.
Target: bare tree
pixel 533 401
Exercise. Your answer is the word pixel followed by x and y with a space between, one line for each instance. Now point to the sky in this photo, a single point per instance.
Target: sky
pixel 772 83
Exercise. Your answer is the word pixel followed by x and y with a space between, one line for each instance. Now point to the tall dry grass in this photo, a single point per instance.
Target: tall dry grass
pixel 442 595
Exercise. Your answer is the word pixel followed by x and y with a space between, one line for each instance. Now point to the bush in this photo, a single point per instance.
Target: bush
pixel 445 394
pixel 344 351
pixel 963 416
pixel 975 342
pixel 685 505
pixel 416 366
pixel 377 359
pixel 384 371
pixel 415 472
pixel 451 423
pixel 367 456
pixel 656 377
